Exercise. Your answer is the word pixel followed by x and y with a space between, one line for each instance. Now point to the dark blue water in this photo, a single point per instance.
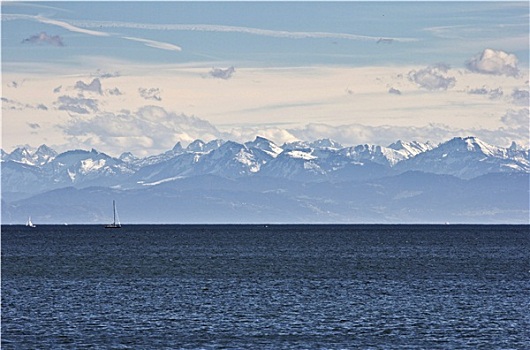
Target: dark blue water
pixel 257 287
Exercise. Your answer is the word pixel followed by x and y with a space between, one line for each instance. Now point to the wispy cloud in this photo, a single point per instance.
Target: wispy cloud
pixel 78 105
pixel 491 93
pixel 62 24
pixel 236 29
pixel 155 44
pixel 68 26
pixel 44 38
pixel 16 105
pixel 105 75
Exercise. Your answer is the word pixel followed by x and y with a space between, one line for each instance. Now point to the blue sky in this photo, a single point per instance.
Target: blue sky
pixel 141 75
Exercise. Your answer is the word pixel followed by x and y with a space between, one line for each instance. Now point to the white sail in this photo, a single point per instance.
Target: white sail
pixel 29 223
pixel 116 221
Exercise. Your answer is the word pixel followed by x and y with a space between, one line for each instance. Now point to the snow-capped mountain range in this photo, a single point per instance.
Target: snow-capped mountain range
pixel 27 173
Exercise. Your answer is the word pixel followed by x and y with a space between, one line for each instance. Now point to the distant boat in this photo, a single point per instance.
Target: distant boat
pixel 116 222
pixel 29 223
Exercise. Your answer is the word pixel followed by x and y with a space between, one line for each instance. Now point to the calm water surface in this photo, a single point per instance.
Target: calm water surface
pixel 259 287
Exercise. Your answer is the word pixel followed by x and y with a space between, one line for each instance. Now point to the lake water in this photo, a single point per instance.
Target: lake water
pixel 266 287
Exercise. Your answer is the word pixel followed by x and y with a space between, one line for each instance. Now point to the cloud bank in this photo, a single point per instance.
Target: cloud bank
pixel 149 129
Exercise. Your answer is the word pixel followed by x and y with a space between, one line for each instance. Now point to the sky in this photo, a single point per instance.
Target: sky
pixel 142 76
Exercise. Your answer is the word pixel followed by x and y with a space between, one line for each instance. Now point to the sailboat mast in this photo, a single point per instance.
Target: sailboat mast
pixel 114 210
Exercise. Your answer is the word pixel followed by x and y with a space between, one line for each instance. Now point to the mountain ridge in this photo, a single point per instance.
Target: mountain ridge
pixel 255 181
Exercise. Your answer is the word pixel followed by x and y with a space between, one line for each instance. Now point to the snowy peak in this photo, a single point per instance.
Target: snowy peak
pixel 326 144
pixel 298 154
pixel 265 145
pixel 296 145
pixel 178 148
pixel 81 165
pixel 231 160
pixel 128 157
pixel 472 144
pixel 196 146
pixel 322 144
pixel 373 153
pixel 200 146
pixel 410 149
pixel 20 155
pixel 322 160
pixel 38 157
pixel 467 158
pixel 297 164
pixel 44 154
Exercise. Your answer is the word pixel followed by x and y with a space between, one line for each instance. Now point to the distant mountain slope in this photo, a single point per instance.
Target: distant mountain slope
pixel 462 180
pixel 412 197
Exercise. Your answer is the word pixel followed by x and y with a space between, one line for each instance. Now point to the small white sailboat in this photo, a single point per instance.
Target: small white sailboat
pixel 29 223
pixel 116 222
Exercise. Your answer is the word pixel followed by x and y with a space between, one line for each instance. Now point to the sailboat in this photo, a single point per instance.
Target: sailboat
pixel 116 222
pixel 29 223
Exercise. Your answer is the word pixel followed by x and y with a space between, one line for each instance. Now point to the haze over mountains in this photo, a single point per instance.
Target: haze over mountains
pixel 463 180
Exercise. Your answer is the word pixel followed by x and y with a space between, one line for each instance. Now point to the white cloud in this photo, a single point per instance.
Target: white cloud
pixel 494 62
pixel 275 134
pixel 432 78
pixel 155 44
pixel 353 134
pixel 282 104
pixel 148 130
pixel 57 41
pixel 236 29
pixel 66 26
